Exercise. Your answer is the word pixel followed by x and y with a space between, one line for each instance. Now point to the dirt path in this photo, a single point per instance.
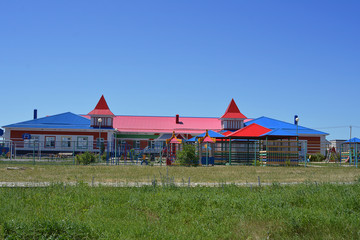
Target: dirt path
pixel 140 184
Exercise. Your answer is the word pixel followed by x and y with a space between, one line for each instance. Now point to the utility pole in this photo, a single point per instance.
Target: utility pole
pixel 350 131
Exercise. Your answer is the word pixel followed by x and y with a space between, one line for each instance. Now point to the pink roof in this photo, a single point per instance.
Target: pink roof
pixel 233 111
pixel 101 108
pixel 253 130
pixel 176 141
pixel 193 125
pixel 208 140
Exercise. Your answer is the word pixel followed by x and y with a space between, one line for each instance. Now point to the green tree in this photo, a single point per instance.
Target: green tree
pixel 85 158
pixel 187 156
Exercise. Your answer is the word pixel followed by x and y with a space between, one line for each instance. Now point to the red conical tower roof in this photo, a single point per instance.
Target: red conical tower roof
pixel 233 111
pixel 101 108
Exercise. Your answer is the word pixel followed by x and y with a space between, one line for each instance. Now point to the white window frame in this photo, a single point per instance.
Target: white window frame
pixel 80 142
pixel 67 143
pixel 33 141
pixel 50 143
pixel 98 144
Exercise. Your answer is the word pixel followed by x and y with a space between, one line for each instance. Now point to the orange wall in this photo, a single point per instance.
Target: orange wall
pixel 313 144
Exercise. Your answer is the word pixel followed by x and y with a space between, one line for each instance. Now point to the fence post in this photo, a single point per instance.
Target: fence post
pixel 34 153
pixel 255 153
pixel 107 152
pixel 356 155
pixel 73 152
pixel 10 150
pixel 229 150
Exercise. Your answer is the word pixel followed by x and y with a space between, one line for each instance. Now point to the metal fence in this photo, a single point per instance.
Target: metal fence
pixel 240 152
pixel 65 152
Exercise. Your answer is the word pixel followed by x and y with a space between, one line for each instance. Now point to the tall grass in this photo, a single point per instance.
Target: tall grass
pixel 229 174
pixel 306 211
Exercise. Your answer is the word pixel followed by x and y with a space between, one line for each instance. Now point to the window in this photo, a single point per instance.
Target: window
pixel 49 142
pixel 82 142
pixel 99 142
pixel 33 141
pixel 137 144
pixel 66 142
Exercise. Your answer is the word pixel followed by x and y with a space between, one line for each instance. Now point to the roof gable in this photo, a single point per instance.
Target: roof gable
pixel 63 120
pixel 233 111
pixel 253 130
pixel 101 108
pixel 277 124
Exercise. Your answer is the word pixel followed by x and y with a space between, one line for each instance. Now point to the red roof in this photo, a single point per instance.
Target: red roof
pixel 193 125
pixel 227 133
pixel 233 111
pixel 253 130
pixel 101 108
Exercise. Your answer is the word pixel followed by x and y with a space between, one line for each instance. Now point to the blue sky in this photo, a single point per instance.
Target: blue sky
pixel 275 58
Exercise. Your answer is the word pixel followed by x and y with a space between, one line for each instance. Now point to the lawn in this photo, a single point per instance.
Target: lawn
pixel 303 211
pixel 217 174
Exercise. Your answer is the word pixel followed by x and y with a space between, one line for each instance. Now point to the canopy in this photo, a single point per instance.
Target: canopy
pixel 164 137
pixel 193 139
pixel 352 140
pixel 212 134
pixel 175 140
pixel 208 139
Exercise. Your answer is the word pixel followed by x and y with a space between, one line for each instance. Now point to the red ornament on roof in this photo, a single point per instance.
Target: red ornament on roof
pixel 233 111
pixel 101 108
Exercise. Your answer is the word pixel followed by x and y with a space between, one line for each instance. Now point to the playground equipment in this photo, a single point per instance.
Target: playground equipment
pixel 350 151
pixel 173 145
pixel 207 143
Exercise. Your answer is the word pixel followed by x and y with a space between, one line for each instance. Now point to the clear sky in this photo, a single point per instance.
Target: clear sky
pixel 161 58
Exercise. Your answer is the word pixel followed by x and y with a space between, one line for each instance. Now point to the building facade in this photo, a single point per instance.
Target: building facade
pixel 100 128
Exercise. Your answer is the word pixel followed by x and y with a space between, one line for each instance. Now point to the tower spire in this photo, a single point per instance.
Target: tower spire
pixel 232 119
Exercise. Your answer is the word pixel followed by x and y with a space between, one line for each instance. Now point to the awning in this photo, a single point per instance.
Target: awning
pixel 164 137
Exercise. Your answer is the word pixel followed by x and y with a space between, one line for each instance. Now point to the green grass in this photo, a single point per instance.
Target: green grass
pixel 126 173
pixel 305 211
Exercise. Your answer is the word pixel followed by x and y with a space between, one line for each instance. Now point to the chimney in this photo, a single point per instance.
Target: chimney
pixel 35 114
pixel 177 119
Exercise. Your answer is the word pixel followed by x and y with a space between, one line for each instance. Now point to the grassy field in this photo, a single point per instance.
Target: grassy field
pixel 304 211
pixel 218 174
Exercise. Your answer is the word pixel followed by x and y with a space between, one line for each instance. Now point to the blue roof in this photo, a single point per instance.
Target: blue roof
pixel 290 128
pixel 211 134
pixel 352 140
pixel 280 132
pixel 66 120
pixel 193 139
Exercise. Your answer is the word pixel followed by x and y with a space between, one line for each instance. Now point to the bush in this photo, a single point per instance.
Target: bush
pixel 318 157
pixel 256 163
pixel 85 158
pixel 335 157
pixel 103 157
pixel 187 156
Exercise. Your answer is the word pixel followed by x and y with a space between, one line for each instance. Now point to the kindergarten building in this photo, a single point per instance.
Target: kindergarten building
pixel 69 132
